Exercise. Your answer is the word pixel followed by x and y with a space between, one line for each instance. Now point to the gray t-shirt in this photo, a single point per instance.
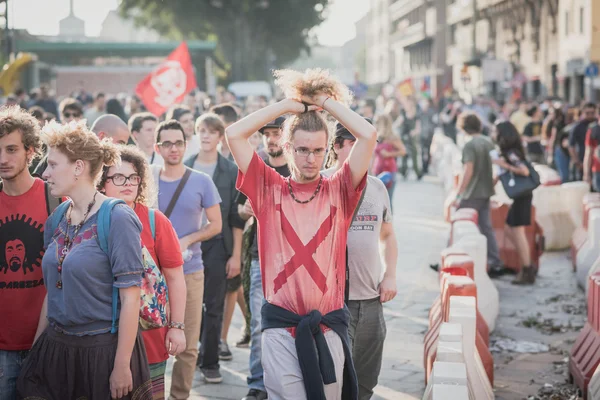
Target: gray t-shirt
pixel 207 169
pixel 477 150
pixel 84 305
pixel 199 193
pixel 364 260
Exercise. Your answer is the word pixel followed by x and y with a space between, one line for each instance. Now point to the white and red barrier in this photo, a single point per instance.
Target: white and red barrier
pixel 590 250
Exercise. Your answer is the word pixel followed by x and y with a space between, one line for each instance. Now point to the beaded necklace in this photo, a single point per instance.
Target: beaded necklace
pixel 311 197
pixel 69 241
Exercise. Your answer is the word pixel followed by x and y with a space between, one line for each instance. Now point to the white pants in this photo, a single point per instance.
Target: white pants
pixel 282 374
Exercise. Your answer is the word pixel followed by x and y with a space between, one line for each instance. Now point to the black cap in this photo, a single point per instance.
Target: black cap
pixel 341 131
pixel 276 123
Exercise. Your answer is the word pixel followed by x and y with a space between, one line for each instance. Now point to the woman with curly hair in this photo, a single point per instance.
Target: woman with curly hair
pixel 84 332
pixel 132 182
pixel 303 222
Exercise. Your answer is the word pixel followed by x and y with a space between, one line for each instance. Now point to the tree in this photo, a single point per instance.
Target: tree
pixel 253 36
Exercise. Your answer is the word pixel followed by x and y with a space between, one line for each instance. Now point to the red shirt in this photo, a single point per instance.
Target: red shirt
pixel 22 289
pixel 166 249
pixel 302 247
pixel 592 140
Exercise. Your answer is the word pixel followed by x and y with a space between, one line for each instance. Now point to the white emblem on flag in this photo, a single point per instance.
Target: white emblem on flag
pixel 170 81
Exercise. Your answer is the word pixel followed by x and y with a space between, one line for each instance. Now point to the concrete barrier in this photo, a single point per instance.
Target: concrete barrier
pixel 574 193
pixel 450 392
pixel 488 299
pixel 482 348
pixel 476 375
pixel 590 250
pixel 548 176
pixel 461 229
pixel 452 286
pixel 594 386
pixel 585 353
pixel 451 382
pixel 554 216
pixel 463 214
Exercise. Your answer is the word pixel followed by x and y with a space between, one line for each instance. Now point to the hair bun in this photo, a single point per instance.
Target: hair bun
pixel 310 83
pixel 110 153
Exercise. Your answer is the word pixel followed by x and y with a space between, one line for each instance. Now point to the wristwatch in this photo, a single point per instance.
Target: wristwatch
pixel 176 325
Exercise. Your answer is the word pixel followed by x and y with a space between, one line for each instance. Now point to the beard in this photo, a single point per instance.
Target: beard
pixel 15 264
pixel 275 153
pixel 18 170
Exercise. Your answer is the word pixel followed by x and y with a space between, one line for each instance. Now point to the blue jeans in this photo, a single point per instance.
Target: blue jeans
pixel 562 164
pixel 255 380
pixel 10 367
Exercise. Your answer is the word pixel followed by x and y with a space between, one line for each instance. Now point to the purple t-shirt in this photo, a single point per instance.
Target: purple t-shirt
pixel 199 193
pixel 84 305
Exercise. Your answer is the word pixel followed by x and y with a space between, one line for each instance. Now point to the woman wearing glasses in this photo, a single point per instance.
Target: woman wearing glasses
pixel 77 354
pixel 132 182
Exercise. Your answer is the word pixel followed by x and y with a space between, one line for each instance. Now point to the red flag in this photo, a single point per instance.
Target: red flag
pixel 169 82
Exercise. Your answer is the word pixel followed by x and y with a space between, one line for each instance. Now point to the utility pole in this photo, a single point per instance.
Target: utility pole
pixel 474 32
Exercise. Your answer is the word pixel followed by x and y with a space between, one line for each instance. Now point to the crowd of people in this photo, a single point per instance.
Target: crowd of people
pixel 123 244
pixel 127 238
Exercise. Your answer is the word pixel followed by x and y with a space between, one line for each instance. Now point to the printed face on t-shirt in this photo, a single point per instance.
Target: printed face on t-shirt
pixel 123 182
pixel 15 254
pixel 209 138
pixel 308 150
pixel 172 146
pixel 13 155
pixel 21 242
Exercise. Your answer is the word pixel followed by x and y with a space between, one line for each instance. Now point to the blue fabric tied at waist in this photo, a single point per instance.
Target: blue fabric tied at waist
pixel 314 356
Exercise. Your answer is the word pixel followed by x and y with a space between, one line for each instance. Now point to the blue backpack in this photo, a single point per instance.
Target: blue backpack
pixel 152 299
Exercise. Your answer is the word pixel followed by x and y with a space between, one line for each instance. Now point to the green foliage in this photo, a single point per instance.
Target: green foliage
pixel 254 36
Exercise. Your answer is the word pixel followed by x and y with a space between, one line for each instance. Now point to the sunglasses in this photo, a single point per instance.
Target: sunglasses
pixel 71 115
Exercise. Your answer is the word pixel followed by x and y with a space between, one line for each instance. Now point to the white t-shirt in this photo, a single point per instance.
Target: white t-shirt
pixel 365 262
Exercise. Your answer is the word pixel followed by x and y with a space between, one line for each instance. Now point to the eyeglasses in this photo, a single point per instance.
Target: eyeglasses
pixel 120 180
pixel 305 152
pixel 71 115
pixel 180 144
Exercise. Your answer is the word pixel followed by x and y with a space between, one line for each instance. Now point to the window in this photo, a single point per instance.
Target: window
pixel 581 27
pixel 567 22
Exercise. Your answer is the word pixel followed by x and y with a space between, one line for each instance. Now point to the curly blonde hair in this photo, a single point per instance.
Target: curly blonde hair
pixel 311 82
pixel 77 142
pixel 147 189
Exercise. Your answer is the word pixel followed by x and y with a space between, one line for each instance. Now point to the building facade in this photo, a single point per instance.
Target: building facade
pixel 504 48
pixel 418 43
pixel 379 67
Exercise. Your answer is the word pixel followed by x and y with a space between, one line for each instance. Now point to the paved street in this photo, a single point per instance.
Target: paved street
pixel 422 234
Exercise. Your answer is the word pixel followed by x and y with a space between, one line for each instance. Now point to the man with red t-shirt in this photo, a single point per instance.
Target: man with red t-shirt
pixel 591 160
pixel 303 222
pixel 24 207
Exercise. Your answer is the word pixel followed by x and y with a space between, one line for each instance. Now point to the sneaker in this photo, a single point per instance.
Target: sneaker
pixel 496 271
pixel 255 394
pixel 212 375
pixel 244 342
pixel 224 353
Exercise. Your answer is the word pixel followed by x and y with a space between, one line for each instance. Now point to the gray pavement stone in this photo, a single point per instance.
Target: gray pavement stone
pixel 422 234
